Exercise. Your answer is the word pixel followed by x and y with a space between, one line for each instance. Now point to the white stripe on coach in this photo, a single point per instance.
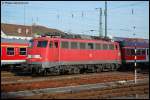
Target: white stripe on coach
pixel 12 61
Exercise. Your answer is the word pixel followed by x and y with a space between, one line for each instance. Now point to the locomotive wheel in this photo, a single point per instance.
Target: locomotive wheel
pixel 113 67
pixel 99 70
pixel 44 73
pixel 76 70
pixel 93 70
pixel 71 71
pixel 57 71
pixel 104 67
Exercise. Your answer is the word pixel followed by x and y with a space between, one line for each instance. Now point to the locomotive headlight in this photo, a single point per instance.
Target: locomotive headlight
pixel 29 56
pixel 34 56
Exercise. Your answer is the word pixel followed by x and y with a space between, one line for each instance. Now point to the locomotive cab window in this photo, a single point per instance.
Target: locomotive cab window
pixel 90 46
pixel 22 51
pixel 42 44
pixel 64 44
pixel 10 51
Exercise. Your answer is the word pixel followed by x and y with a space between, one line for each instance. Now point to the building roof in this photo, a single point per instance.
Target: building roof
pixel 24 30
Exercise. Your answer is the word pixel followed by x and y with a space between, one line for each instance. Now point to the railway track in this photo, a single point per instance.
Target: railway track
pixel 61 81
pixel 26 79
pixel 98 90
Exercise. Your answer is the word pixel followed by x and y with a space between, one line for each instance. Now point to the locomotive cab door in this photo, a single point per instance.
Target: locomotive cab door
pixel 55 50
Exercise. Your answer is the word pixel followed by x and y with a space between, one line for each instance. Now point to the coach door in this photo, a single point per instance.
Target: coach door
pixel 55 50
pixel 147 54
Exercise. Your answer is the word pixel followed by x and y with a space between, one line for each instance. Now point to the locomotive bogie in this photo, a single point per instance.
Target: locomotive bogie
pixel 74 69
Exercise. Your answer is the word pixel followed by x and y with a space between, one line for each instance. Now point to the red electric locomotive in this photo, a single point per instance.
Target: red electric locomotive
pixel 13 51
pixel 60 55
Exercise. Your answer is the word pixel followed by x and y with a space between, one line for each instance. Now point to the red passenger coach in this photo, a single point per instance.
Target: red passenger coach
pixel 60 55
pixel 128 46
pixel 13 51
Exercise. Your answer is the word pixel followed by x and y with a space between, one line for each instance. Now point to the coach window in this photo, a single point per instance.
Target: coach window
pixel 143 51
pixel 82 46
pixel 105 46
pixel 132 52
pixel 64 44
pixel 10 51
pixel 138 52
pixel 98 46
pixel 42 44
pixel 111 46
pixel 22 51
pixel 74 45
pixel 128 51
pixel 147 51
pixel 90 46
pixel 51 44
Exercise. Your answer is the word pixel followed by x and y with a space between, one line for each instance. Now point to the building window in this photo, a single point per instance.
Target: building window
pixel 19 30
pixel 64 44
pixel 10 51
pixel 27 31
pixel 22 51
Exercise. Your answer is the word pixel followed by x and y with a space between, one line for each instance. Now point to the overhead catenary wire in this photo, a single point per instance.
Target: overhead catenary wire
pixel 76 14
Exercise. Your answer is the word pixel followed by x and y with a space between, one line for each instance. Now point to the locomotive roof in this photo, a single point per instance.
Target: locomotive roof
pixel 73 39
pixel 76 36
pixel 22 41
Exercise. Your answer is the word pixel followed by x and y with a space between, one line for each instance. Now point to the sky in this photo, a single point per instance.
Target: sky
pixel 80 17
